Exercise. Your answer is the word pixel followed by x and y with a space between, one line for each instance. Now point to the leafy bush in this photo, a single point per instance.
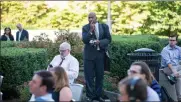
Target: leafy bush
pixel 7 44
pixel 42 41
pixel 24 92
pixel 18 66
pixel 119 50
pixel 134 37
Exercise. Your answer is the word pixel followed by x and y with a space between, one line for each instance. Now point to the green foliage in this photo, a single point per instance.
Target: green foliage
pixel 130 17
pixel 119 50
pixel 24 92
pixel 5 44
pixel 18 66
pixel 109 83
pixel 135 37
pixel 163 18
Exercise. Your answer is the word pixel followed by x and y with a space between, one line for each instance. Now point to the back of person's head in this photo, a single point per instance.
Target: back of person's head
pixel 61 78
pixel 46 79
pixel 145 70
pixel 132 89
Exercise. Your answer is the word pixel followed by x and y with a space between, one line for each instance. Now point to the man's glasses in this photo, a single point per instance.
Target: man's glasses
pixel 172 40
pixel 62 51
pixel 132 72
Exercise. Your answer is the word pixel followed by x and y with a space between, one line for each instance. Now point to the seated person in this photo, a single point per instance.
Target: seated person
pixel 40 86
pixel 133 89
pixel 7 35
pixel 66 61
pixel 62 91
pixel 142 69
pixel 170 61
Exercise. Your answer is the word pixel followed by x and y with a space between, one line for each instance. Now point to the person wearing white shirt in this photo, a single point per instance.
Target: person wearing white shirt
pixel 66 61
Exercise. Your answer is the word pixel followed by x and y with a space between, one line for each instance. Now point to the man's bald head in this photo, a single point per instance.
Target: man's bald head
pixel 19 26
pixel 92 17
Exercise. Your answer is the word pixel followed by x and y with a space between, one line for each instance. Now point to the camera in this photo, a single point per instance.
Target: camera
pixel 92 42
pixel 172 79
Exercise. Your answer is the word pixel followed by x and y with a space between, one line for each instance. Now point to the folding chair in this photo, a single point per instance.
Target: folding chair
pixel 77 90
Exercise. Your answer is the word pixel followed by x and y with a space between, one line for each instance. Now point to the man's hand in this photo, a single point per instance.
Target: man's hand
pixel 92 26
pixel 97 42
pixel 175 73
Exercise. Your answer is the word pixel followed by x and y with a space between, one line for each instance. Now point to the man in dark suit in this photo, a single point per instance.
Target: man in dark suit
pixel 96 37
pixel 22 34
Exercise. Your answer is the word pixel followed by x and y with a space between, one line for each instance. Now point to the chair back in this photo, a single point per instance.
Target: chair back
pixel 77 90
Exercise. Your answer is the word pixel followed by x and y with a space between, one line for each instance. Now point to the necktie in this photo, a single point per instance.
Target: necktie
pixel 62 61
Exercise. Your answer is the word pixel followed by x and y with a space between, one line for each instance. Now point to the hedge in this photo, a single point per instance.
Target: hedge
pixel 18 66
pixel 119 50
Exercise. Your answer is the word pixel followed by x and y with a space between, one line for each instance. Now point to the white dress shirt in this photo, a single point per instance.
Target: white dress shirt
pixel 20 32
pixel 97 33
pixel 97 29
pixel 70 64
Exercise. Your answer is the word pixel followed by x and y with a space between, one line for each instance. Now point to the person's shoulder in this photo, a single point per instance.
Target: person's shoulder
pixel 25 30
pixel 151 91
pixel 57 56
pixel 73 58
pixel 152 95
pixel 86 25
pixel 2 36
pixel 104 24
pixel 65 89
pixel 166 48
pixel 178 47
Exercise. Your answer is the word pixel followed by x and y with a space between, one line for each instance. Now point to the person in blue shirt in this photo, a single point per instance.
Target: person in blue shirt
pixel 170 61
pixel 40 86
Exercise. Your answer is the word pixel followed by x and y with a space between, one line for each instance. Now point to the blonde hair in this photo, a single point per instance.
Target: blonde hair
pixel 61 78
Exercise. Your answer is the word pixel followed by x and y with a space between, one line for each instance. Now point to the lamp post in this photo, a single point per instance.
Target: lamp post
pixel 109 16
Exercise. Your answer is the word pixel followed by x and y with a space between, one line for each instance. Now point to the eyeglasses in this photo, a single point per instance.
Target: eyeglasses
pixel 172 40
pixel 132 72
pixel 62 50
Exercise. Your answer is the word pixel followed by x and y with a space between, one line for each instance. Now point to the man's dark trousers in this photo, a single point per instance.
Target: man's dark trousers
pixel 94 68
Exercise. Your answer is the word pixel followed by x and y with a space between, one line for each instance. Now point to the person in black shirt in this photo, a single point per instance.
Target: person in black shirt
pixel 7 36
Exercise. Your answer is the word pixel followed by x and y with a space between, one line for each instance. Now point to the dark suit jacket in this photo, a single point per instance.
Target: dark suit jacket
pixel 24 35
pixel 91 52
pixel 4 38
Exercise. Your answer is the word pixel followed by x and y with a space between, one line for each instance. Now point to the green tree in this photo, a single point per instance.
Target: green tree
pixel 162 16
